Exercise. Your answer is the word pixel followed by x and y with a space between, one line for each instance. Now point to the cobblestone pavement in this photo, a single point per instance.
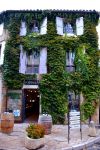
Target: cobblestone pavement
pixel 58 140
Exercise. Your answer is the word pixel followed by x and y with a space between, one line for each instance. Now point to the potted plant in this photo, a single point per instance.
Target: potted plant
pixel 34 136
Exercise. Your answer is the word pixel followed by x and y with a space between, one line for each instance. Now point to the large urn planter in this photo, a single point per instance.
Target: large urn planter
pixel 34 136
pixel 34 143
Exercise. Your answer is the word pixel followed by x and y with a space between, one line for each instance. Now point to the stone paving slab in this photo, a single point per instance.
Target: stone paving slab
pixel 58 140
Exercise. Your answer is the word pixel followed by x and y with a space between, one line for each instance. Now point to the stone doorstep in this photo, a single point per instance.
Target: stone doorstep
pixel 84 145
pixel 97 140
pixel 78 147
pixel 89 143
pixel 70 148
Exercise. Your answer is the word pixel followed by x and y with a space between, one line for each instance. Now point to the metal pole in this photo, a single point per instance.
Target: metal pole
pixel 40 110
pixel 68 129
pixel 80 119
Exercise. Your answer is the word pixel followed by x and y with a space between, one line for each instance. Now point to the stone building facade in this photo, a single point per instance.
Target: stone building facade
pixel 25 102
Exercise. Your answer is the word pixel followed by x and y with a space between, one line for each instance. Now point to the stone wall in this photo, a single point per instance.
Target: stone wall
pixel 14 104
pixel 95 116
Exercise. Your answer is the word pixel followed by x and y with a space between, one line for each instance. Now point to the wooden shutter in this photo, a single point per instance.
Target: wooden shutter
pixel 59 25
pixel 2 52
pixel 43 61
pixel 23 29
pixel 79 26
pixel 1 28
pixel 23 59
pixel 43 29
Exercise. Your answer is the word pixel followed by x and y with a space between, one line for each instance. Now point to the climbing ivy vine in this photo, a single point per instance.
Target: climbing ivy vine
pixel 55 85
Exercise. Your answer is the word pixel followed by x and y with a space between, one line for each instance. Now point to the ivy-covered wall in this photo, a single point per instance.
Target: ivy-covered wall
pixel 55 85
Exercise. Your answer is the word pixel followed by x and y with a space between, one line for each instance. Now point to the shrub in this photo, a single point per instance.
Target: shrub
pixel 35 131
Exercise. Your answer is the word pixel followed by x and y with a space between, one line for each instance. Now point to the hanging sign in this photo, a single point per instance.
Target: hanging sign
pixel 16 112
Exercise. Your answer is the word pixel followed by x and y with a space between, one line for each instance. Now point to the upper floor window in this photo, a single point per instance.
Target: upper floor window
pixel 35 27
pixel 67 27
pixel 70 55
pixel 35 63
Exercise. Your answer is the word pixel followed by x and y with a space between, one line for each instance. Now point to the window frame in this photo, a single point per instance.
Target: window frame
pixel 73 101
pixel 70 67
pixel 32 66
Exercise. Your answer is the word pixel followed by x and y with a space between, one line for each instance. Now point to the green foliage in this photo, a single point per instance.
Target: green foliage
pixel 55 85
pixel 14 95
pixel 35 131
pixel 54 99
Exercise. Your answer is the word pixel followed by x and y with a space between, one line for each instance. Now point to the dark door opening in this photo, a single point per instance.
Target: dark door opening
pixel 31 99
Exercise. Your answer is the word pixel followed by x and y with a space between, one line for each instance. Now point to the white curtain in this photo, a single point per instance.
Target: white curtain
pixel 23 59
pixel 43 29
pixel 23 29
pixel 43 61
pixel 59 25
pixel 79 26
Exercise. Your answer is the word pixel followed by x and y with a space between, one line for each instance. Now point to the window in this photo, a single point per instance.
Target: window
pixel 32 69
pixel 32 65
pixel 34 26
pixel 73 101
pixel 70 55
pixel 67 27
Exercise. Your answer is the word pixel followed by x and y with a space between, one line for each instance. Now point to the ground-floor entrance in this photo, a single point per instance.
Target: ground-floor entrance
pixel 30 105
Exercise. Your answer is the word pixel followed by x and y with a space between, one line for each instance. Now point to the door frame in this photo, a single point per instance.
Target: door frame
pixel 24 99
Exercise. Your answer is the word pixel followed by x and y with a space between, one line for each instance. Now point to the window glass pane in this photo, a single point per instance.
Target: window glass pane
pixel 36 69
pixel 73 100
pixel 70 68
pixel 31 69
pixel 34 27
pixel 68 29
pixel 33 60
pixel 70 55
